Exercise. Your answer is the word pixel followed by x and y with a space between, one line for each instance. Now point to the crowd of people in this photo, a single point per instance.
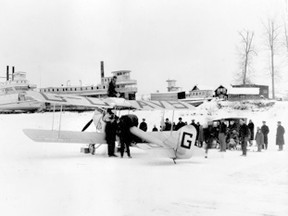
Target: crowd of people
pixel 222 134
pixel 229 135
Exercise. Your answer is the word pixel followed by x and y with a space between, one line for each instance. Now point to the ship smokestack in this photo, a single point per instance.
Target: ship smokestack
pixel 7 73
pixel 13 70
pixel 102 69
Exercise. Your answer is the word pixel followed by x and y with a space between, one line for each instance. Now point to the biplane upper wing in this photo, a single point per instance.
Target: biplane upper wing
pixel 78 100
pixel 119 103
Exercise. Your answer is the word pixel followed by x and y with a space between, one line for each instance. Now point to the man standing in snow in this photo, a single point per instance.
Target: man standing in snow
pixel 110 131
pixel 209 136
pixel 251 128
pixel 193 123
pixel 222 135
pixel 167 125
pixel 265 131
pixel 280 136
pixel 200 136
pixel 180 124
pixel 124 125
pixel 244 136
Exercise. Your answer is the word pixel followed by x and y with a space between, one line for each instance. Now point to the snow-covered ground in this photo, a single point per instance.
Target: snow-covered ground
pixel 56 179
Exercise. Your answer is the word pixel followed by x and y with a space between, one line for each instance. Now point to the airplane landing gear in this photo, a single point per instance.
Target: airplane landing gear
pixel 174 160
pixel 92 149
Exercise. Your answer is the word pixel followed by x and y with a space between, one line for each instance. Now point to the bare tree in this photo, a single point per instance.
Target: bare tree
pixel 286 36
pixel 272 35
pixel 286 26
pixel 247 52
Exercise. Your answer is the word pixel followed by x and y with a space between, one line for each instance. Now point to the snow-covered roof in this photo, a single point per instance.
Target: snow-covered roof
pixel 204 87
pixel 246 91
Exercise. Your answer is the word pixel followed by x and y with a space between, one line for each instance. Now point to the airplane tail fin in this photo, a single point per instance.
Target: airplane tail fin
pixel 184 143
pixel 181 142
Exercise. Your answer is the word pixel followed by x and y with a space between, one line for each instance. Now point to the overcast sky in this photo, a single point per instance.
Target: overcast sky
pixel 191 41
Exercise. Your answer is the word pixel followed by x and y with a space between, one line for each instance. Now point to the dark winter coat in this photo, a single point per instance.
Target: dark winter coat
pixel 167 126
pixel 251 128
pixel 143 126
pixel 280 135
pixel 209 135
pixel 110 131
pixel 244 132
pixel 179 125
pixel 265 130
pixel 112 89
pixel 222 128
pixel 201 134
pixel 125 123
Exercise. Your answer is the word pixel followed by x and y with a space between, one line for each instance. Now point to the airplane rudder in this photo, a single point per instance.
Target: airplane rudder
pixel 186 141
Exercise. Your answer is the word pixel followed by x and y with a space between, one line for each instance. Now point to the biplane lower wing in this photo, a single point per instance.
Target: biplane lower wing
pixel 65 136
pixel 53 136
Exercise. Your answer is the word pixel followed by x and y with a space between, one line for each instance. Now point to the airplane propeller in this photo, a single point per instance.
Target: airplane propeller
pixel 87 125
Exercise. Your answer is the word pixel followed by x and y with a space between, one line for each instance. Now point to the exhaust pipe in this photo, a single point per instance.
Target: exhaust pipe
pixel 13 70
pixel 102 69
pixel 7 73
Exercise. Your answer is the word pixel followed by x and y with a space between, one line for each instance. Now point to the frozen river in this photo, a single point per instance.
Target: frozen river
pixel 56 179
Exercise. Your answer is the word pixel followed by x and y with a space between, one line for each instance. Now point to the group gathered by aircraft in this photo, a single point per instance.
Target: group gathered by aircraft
pixel 176 144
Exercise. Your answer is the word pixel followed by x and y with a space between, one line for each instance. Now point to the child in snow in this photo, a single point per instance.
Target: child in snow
pixel 259 139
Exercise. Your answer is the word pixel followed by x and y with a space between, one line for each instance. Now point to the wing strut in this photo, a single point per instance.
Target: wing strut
pixel 60 119
pixel 172 122
pixel 174 160
pixel 53 117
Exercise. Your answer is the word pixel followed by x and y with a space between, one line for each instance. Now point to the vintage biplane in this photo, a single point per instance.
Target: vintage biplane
pixel 177 144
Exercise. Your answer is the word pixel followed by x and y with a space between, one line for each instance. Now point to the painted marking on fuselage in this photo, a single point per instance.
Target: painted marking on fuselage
pixel 186 141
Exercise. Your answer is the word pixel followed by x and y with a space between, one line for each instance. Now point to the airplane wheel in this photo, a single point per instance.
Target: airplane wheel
pixel 92 149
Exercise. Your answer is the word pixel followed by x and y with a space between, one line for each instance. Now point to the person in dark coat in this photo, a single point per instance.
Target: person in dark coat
pixel 265 131
pixel 244 136
pixel 124 125
pixel 143 125
pixel 259 139
pixel 193 123
pixel 222 135
pixel 154 129
pixel 196 126
pixel 180 124
pixel 251 128
pixel 110 131
pixel 197 129
pixel 112 87
pixel 167 125
pixel 200 136
pixel 280 136
pixel 209 136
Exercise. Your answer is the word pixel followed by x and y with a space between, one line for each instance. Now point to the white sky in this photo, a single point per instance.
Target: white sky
pixel 191 41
